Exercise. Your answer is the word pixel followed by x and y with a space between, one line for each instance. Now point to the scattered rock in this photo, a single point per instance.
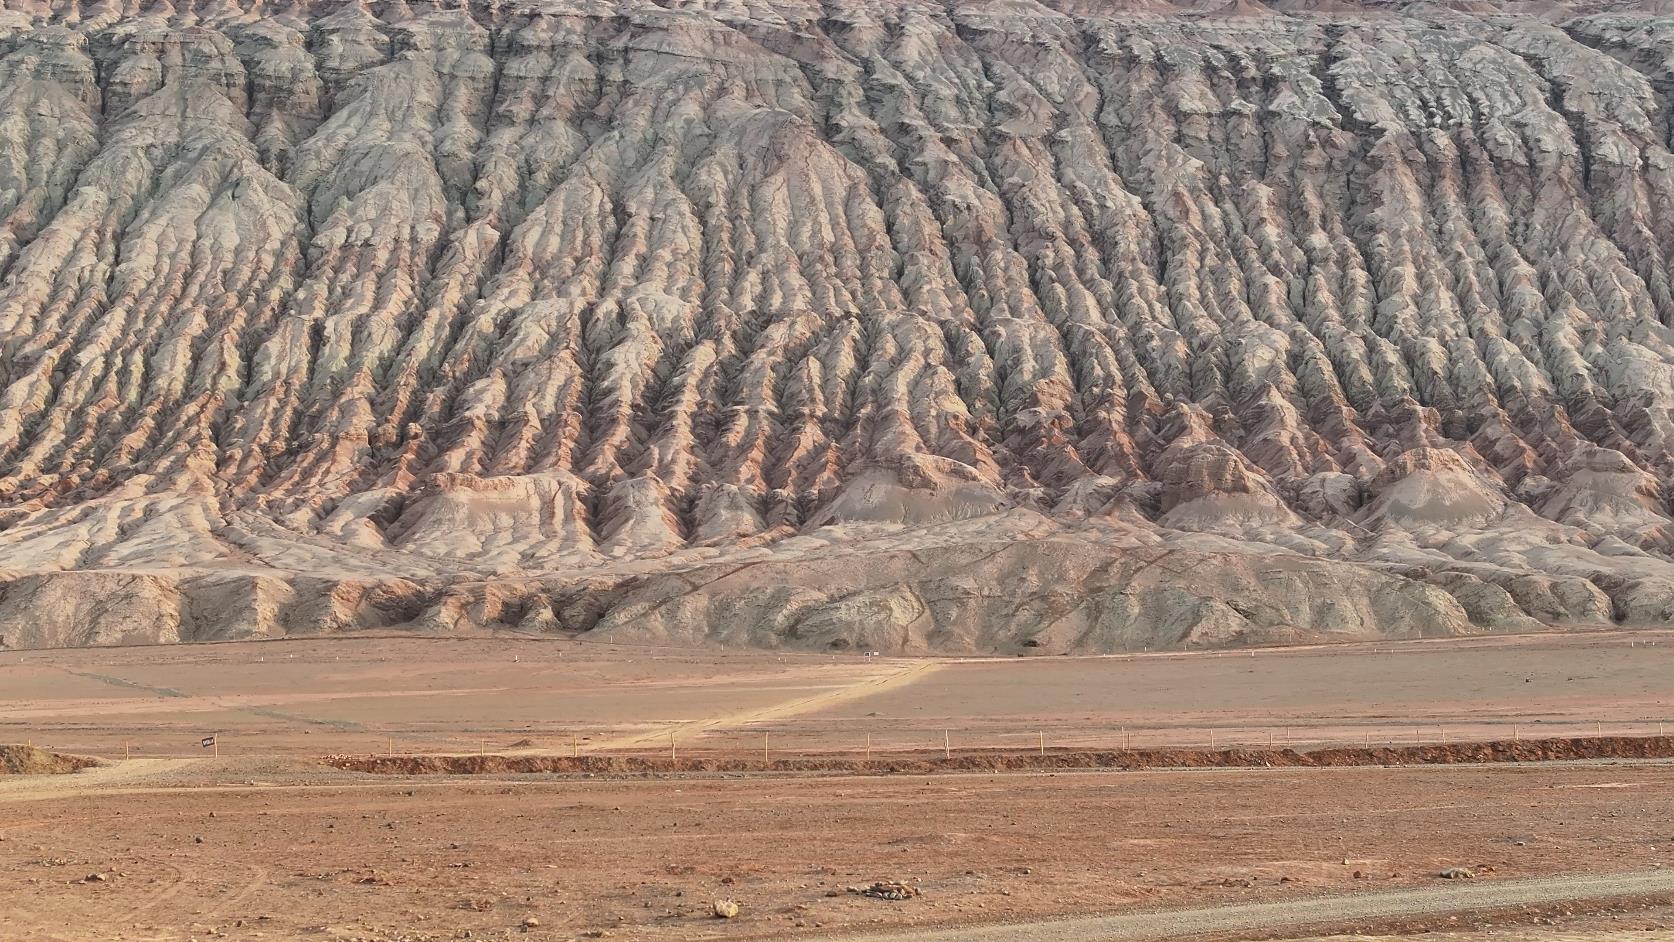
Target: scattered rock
pixel 887 889
pixel 1457 873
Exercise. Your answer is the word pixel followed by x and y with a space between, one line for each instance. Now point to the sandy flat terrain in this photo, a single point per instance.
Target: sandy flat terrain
pixel 295 850
pixel 317 697
pixel 1476 688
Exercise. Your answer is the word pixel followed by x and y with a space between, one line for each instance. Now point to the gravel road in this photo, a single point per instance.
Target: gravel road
pixel 1171 924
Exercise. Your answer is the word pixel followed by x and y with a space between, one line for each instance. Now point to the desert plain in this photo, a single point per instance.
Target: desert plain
pixel 258 839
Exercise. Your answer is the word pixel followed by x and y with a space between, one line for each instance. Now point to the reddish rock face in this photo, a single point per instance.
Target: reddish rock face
pixel 891 325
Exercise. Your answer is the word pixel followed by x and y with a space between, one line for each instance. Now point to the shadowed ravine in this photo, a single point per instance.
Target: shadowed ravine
pixel 986 326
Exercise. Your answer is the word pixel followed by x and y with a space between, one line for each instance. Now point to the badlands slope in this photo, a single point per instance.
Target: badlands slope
pixel 982 326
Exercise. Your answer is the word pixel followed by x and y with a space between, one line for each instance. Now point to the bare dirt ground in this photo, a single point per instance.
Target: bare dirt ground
pixel 265 843
pixel 414 695
pixel 186 849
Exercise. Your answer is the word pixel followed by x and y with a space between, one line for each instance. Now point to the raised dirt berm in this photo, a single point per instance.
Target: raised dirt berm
pixel 28 760
pixel 1494 751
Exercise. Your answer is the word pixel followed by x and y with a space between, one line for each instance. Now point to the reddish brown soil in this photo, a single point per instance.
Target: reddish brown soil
pixel 298 851
pixel 1537 750
pixel 430 858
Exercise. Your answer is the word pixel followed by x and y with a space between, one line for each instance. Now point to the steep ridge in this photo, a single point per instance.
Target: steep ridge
pixel 990 325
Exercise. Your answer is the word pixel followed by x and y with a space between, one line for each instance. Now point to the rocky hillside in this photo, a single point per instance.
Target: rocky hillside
pixel 988 325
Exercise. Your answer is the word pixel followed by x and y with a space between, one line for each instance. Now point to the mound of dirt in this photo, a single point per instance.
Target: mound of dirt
pixel 1522 750
pixel 28 760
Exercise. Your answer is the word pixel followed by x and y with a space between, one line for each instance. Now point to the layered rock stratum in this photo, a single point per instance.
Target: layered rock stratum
pixel 989 325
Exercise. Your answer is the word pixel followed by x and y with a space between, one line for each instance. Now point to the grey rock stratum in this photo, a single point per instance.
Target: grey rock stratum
pixel 990 325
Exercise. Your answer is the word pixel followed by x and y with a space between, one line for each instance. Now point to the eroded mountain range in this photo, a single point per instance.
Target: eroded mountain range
pixel 990 325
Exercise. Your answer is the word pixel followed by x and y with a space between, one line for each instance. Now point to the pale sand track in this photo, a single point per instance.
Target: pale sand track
pixel 904 674
pixel 1253 917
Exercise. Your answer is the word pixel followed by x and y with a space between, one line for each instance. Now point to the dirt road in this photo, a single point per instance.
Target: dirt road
pixel 890 678
pixel 1286 914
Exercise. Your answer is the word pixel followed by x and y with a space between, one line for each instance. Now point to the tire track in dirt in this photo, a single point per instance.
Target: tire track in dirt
pixel 210 702
pixel 126 684
pixel 241 892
